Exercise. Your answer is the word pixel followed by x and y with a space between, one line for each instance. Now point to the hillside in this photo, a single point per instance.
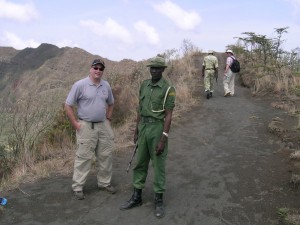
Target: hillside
pixel 48 69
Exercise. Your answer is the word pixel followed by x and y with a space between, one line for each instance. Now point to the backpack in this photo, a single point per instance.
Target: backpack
pixel 235 65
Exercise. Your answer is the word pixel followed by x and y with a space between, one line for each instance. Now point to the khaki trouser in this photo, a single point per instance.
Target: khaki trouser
pixel 99 141
pixel 228 82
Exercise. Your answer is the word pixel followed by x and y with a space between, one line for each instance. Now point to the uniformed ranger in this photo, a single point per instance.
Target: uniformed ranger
pixel 156 104
pixel 209 72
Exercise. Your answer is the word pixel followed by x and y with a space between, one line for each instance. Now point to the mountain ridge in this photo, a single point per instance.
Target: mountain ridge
pixel 47 67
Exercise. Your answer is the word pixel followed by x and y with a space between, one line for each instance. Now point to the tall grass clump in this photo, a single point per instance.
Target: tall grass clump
pixel 29 119
pixel 267 68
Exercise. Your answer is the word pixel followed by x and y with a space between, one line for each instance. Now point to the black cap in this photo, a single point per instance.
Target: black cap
pixel 98 61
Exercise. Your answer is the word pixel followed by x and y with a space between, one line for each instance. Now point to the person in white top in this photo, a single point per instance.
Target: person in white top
pixel 229 76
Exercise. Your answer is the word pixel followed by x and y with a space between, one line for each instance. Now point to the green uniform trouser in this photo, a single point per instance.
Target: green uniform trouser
pixel 208 80
pixel 148 138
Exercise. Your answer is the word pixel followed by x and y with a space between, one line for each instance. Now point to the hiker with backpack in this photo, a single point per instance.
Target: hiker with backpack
pixel 232 67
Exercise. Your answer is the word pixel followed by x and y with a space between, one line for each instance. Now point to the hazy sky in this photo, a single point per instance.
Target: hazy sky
pixel 140 29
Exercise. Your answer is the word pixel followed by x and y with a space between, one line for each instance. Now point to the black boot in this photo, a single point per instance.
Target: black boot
pixel 136 200
pixel 207 94
pixel 159 205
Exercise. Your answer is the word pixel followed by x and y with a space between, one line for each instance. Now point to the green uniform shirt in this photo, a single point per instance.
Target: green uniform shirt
pixel 151 99
pixel 210 62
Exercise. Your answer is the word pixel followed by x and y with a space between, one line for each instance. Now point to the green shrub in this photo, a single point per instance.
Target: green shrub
pixel 6 163
pixel 296 90
pixel 282 213
pixel 61 128
pixel 296 74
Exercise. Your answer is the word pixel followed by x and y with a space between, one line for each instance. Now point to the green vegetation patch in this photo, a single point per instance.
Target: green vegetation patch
pixel 296 90
pixel 288 216
pixel 296 74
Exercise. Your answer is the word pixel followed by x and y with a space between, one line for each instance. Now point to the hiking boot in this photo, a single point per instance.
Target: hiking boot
pixel 227 94
pixel 135 200
pixel 110 189
pixel 79 195
pixel 159 206
pixel 210 94
pixel 207 94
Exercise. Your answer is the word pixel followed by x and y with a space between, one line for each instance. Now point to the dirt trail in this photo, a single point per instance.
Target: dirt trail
pixel 223 168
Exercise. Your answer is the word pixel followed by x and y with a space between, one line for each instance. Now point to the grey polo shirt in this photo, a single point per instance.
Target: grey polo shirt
pixel 90 99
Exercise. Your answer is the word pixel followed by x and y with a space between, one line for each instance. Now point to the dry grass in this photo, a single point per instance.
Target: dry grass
pixel 124 135
pixel 184 98
pixel 295 179
pixel 263 85
pixel 286 86
pixel 34 172
pixel 57 160
pixel 293 218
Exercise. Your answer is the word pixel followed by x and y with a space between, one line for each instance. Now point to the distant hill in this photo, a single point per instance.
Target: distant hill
pixel 48 69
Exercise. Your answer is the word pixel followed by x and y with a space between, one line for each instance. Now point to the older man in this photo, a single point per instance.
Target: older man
pixel 94 99
pixel 229 76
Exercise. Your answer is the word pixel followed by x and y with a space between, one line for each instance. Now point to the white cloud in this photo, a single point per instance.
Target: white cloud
pixel 14 41
pixel 183 19
pixel 18 12
pixel 150 33
pixel 109 29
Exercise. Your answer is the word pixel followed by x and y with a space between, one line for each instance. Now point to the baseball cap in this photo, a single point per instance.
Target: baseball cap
pixel 98 61
pixel 157 62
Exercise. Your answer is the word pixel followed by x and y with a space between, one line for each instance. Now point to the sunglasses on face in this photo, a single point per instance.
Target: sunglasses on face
pixel 157 68
pixel 98 68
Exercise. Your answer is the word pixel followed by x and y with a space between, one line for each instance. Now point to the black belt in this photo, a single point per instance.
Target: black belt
pixel 149 119
pixel 92 123
pixel 210 69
